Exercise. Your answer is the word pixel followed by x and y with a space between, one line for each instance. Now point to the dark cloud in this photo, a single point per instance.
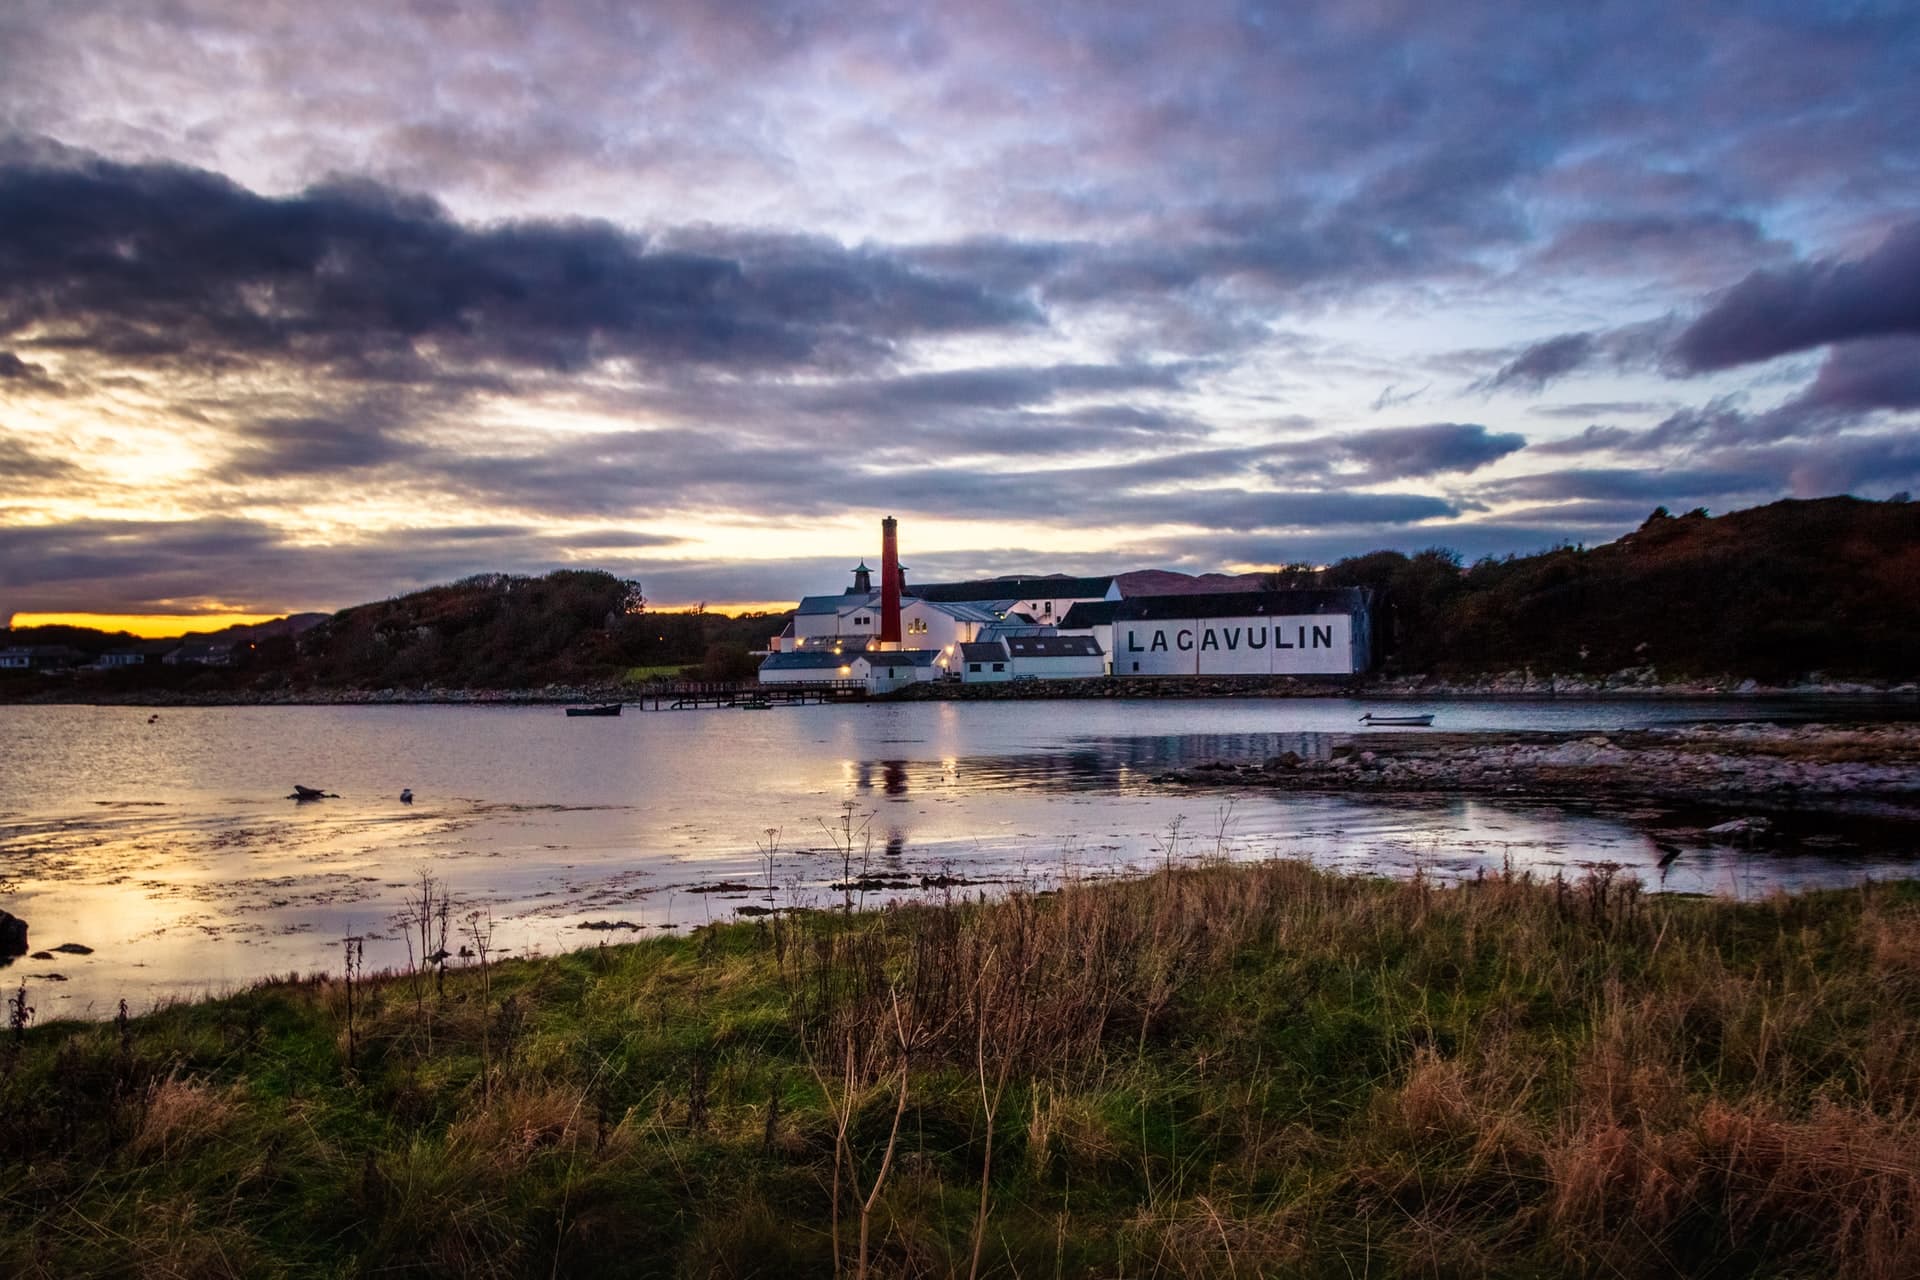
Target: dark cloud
pixel 21 463
pixel 1774 313
pixel 1405 453
pixel 159 566
pixel 157 262
pixel 14 369
pixel 1870 374
pixel 1543 362
pixel 1593 440
pixel 1596 409
pixel 1678 485
pixel 1551 359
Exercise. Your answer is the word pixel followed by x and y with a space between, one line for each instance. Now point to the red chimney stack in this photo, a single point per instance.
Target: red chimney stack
pixel 889 581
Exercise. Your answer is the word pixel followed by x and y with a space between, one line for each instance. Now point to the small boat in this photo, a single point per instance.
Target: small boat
pixel 754 704
pixel 599 709
pixel 304 794
pixel 1411 722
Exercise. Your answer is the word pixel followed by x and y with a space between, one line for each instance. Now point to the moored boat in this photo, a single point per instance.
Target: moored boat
pixel 1411 722
pixel 599 709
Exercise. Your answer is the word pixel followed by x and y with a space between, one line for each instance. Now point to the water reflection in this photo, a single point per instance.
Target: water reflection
pixel 169 847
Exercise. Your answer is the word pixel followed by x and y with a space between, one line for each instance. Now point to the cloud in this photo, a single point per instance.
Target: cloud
pixel 1776 312
pixel 1594 439
pixel 13 368
pixel 151 263
pixel 159 566
pixel 20 463
pixel 1543 362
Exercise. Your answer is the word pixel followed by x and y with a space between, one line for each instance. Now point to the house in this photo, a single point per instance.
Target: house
pixel 881 671
pixel 985 662
pixel 40 657
pixel 120 658
pixel 1055 657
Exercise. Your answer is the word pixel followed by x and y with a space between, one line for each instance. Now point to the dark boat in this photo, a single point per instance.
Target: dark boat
pixel 601 709
pixel 1411 722
pixel 754 704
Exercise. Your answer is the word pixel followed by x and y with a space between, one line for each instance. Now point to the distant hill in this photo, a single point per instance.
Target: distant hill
pixel 1167 582
pixel 492 631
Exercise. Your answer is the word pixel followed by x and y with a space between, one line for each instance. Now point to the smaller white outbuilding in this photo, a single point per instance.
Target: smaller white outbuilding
pixel 1055 657
pixel 984 662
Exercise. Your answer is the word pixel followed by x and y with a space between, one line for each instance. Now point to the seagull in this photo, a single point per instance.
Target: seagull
pixel 406 795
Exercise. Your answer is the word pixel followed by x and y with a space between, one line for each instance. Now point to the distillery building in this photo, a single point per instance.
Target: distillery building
pixel 888 633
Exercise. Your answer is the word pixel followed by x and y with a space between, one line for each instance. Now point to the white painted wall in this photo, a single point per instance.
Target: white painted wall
pixel 1069 667
pixel 1319 644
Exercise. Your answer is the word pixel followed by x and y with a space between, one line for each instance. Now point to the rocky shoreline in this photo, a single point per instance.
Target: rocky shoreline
pixel 1745 762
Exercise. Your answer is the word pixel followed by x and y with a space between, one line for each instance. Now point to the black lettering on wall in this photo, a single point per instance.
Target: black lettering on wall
pixel 1159 644
pixel 1322 637
pixel 1257 637
pixel 1233 638
pixel 1208 640
pixel 1184 640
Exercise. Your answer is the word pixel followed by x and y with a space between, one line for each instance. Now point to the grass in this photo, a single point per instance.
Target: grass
pixel 670 671
pixel 1224 1071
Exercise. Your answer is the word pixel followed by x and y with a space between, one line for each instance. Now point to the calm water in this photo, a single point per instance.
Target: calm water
pixel 170 848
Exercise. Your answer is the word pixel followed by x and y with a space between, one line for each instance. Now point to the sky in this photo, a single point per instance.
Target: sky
pixel 303 305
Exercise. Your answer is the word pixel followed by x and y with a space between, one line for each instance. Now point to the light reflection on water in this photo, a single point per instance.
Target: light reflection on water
pixel 170 848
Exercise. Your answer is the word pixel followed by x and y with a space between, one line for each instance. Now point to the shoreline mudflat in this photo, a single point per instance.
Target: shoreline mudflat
pixel 1706 762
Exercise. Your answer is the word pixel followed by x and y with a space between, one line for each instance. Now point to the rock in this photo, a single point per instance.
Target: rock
pixel 1743 829
pixel 1285 760
pixel 53 977
pixel 41 955
pixel 13 935
pixel 74 949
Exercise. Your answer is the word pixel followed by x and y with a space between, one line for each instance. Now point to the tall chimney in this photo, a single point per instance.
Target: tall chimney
pixel 890 581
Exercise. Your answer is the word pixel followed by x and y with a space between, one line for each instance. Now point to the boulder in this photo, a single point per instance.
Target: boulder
pixel 13 935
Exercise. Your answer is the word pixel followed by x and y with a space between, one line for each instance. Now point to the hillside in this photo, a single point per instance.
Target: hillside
pixel 1828 585
pixel 492 631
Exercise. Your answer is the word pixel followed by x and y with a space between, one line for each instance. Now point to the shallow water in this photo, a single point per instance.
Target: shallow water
pixel 170 848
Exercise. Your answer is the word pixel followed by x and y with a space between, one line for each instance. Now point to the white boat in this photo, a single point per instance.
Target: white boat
pixel 1411 722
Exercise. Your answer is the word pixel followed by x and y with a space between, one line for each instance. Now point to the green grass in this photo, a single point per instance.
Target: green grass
pixel 640 675
pixel 1229 1071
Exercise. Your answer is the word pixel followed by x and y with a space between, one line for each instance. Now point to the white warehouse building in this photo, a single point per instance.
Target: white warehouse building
pixel 1315 631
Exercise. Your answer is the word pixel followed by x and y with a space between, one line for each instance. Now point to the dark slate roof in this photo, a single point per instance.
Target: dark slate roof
pixel 1087 615
pixel 983 651
pixel 1053 646
pixel 902 657
pixel 1244 604
pixel 808 660
pixel 1054 586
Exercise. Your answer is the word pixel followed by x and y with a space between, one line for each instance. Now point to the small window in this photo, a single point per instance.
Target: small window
pixel 1047 607
pixel 973 666
pixel 1136 666
pixel 999 666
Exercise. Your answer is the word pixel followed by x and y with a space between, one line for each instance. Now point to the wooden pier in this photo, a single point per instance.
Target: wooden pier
pixel 702 695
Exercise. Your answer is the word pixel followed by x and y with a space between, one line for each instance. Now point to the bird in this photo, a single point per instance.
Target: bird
pixel 406 795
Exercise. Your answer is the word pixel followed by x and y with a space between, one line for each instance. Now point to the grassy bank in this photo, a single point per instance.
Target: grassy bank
pixel 1230 1071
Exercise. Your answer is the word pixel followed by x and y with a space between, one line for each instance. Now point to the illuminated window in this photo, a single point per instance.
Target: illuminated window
pixel 916 626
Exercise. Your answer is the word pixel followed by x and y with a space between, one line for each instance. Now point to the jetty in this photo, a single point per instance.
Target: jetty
pixel 708 695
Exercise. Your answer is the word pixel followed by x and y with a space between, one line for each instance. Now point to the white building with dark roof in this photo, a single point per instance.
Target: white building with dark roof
pixel 1055 657
pixel 1317 631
